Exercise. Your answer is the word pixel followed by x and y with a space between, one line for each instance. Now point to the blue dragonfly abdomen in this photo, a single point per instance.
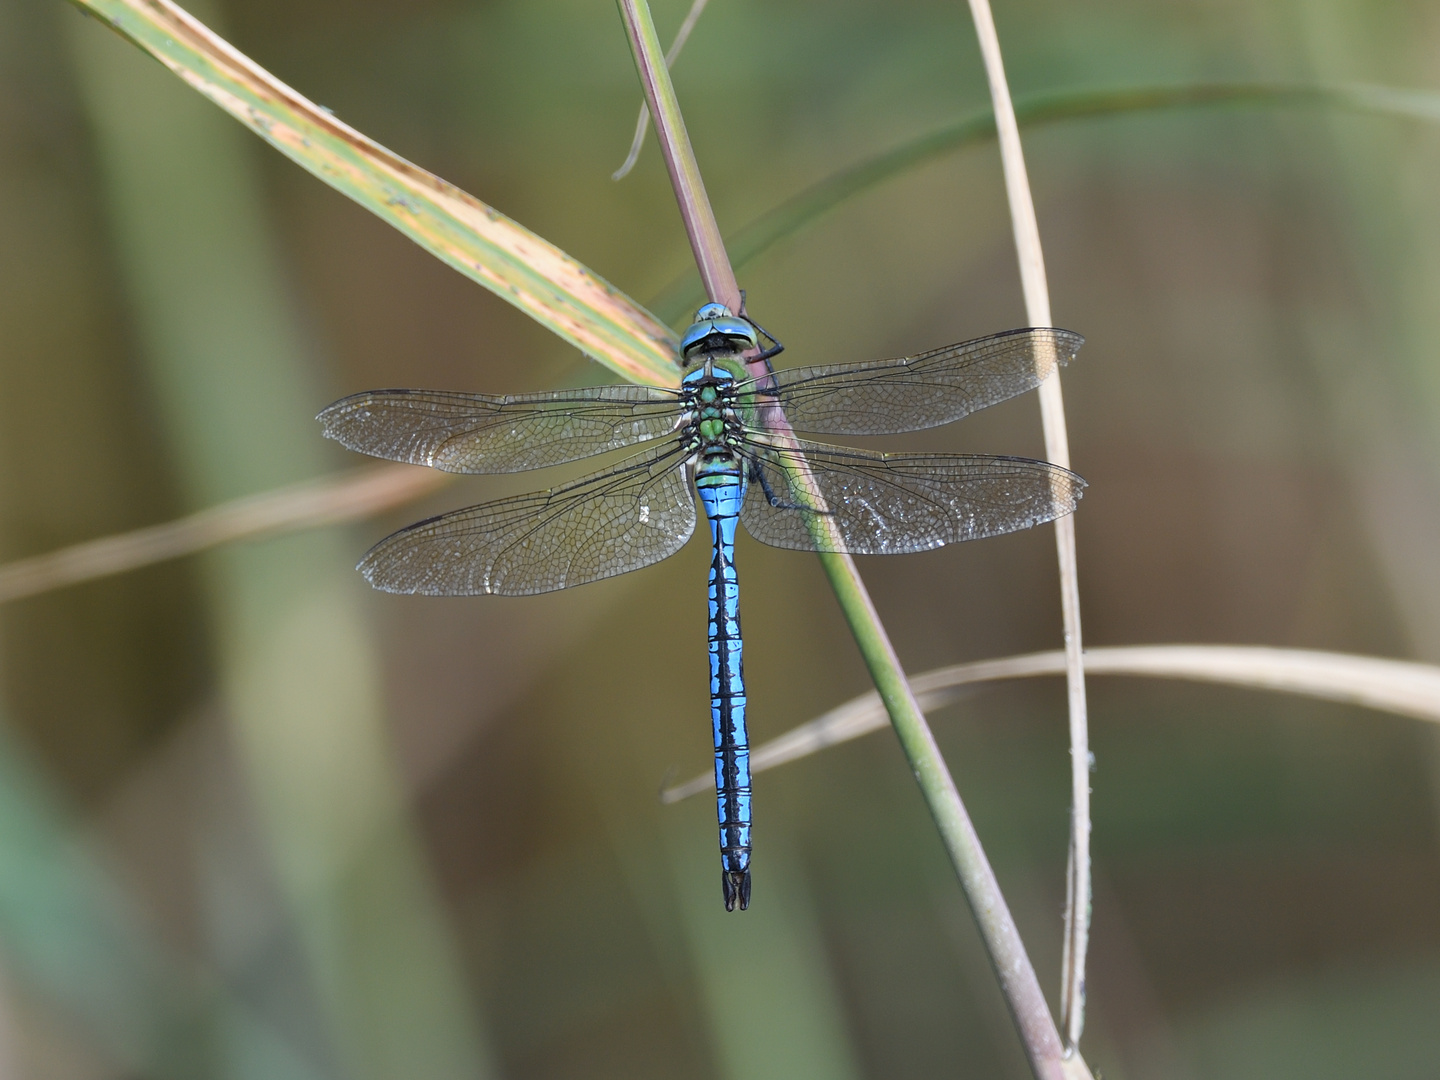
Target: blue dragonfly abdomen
pixel 720 480
pixel 719 477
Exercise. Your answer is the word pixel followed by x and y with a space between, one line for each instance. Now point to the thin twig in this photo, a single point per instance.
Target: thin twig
pixel 1057 449
pixel 642 122
pixel 1007 952
pixel 1395 686
pixel 332 500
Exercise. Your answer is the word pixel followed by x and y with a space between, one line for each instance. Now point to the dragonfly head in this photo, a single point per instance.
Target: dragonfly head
pixel 715 329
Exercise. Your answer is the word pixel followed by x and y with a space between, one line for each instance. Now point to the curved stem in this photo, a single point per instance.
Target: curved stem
pixel 1401 687
pixel 1057 449
pixel 695 210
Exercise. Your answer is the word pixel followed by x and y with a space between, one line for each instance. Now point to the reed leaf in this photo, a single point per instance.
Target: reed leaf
pixel 295 661
pixel 457 228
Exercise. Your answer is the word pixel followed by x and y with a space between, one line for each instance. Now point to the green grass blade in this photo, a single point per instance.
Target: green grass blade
pixel 455 227
pixel 797 213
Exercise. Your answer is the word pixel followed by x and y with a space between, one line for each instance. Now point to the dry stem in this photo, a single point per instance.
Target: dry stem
pixel 1401 687
pixel 1057 449
pixel 332 500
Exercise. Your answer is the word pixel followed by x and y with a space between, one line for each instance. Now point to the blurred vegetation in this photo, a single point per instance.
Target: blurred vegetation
pixel 255 820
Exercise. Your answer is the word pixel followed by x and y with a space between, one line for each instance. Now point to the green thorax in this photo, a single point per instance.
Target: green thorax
pixel 717 413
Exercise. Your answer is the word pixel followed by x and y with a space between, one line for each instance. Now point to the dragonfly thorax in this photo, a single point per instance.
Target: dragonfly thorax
pixel 710 395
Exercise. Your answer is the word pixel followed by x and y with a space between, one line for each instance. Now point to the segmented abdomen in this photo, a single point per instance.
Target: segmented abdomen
pixel 722 492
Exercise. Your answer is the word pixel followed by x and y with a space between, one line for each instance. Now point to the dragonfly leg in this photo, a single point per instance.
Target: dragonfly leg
pixel 775 349
pixel 757 475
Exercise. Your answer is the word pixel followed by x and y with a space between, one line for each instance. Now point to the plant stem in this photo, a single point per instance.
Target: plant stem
pixel 1057 449
pixel 1007 953
pixel 695 211
pixel 642 123
pixel 1002 938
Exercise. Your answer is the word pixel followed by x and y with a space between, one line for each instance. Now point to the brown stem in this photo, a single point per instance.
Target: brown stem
pixel 695 211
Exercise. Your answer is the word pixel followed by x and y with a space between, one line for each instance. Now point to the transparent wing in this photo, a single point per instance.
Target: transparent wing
pixel 477 433
pixel 891 504
pixel 909 393
pixel 635 514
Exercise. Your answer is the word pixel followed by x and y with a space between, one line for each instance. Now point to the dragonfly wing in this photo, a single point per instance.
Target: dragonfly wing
pixel 477 433
pixel 635 514
pixel 890 504
pixel 909 393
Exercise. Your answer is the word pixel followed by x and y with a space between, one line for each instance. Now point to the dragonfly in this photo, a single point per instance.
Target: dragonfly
pixel 726 435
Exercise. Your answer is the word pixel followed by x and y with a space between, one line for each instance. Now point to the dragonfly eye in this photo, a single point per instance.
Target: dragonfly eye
pixel 719 332
pixel 711 311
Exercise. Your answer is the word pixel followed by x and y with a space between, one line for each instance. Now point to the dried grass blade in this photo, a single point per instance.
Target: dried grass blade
pixel 332 500
pixel 1401 687
pixel 1057 449
pixel 479 241
pixel 1012 966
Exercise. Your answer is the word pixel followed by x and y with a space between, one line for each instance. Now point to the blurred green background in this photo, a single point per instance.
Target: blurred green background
pixel 257 821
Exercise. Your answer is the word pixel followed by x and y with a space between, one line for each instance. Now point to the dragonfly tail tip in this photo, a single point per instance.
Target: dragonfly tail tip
pixel 735 884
